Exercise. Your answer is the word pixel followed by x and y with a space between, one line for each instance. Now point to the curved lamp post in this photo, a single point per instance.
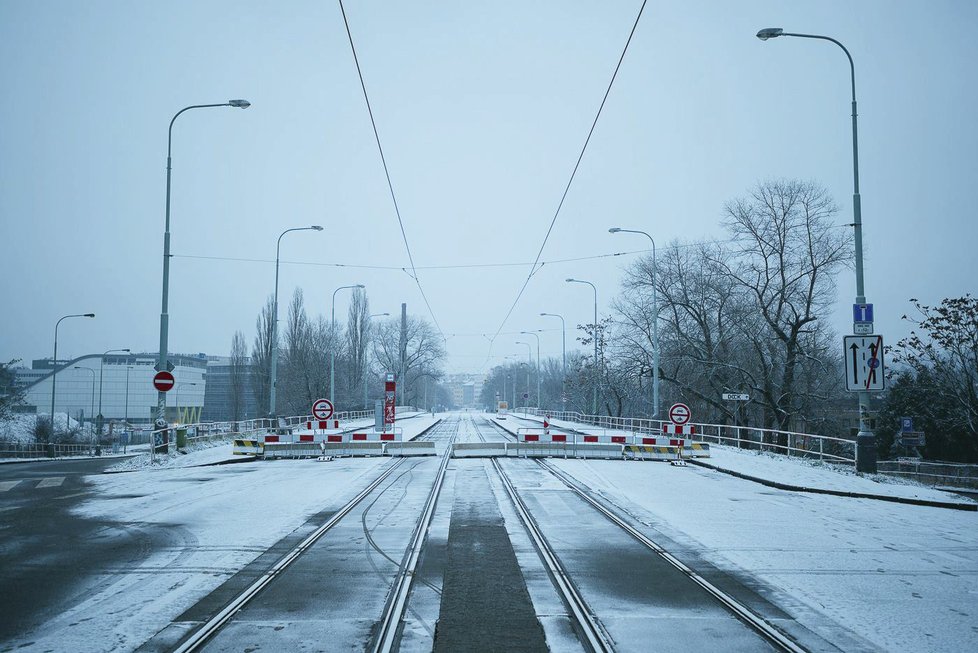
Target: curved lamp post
pixel 88 369
pixel 865 440
pixel 332 350
pixel 563 356
pixel 537 336
pixel 101 366
pixel 162 362
pixel 594 400
pixel 655 319
pixel 54 361
pixel 274 353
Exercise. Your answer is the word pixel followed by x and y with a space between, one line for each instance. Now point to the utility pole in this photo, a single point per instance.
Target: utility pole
pixel 402 349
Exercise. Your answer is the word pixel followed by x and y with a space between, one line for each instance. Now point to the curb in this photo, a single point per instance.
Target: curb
pixel 972 507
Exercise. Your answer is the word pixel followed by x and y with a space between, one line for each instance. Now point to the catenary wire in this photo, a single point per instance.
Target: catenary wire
pixel 534 269
pixel 387 174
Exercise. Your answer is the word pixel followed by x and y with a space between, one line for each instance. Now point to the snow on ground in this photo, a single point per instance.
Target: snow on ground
pixel 20 428
pixel 904 577
pixel 802 472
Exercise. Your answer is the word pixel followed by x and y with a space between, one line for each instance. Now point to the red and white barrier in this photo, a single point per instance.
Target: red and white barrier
pixel 605 439
pixel 678 429
pixel 659 442
pixel 563 438
pixel 323 425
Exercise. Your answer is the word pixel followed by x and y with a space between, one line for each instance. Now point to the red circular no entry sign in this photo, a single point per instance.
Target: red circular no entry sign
pixel 679 414
pixel 163 381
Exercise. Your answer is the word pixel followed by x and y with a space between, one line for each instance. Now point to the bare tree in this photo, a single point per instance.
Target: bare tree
pixel 357 339
pixel 423 355
pixel 261 355
pixel 237 375
pixel 785 255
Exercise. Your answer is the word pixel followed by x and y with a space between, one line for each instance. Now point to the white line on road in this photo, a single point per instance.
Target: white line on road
pixel 6 485
pixel 54 481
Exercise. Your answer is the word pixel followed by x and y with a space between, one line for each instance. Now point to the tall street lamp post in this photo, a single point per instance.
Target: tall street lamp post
pixel 163 363
pixel 865 439
pixel 180 385
pixel 101 366
pixel 126 418
pixel 88 369
pixel 54 374
pixel 332 350
pixel 537 336
pixel 594 400
pixel 563 356
pixel 655 318
pixel 529 362
pixel 274 352
pixel 365 406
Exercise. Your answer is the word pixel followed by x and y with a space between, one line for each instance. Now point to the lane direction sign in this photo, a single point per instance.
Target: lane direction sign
pixel 863 357
pixel 679 414
pixel 322 409
pixel 163 381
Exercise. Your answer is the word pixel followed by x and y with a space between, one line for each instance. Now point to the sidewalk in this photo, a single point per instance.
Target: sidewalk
pixel 807 475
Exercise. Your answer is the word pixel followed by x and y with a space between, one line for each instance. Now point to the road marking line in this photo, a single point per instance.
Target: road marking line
pixel 51 482
pixel 6 485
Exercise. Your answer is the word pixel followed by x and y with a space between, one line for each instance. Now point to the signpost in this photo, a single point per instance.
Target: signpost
pixel 322 409
pixel 863 356
pixel 679 414
pixel 164 381
pixel 390 388
pixel 732 396
pixel 862 319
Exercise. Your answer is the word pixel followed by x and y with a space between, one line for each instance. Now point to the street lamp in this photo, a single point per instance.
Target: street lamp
pixel 274 352
pixel 54 374
pixel 865 440
pixel 537 336
pixel 126 418
pixel 79 367
pixel 563 355
pixel 529 361
pixel 594 400
pixel 655 319
pixel 332 349
pixel 163 363
pixel 99 419
pixel 365 405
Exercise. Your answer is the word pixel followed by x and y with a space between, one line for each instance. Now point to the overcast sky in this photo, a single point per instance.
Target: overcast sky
pixel 482 108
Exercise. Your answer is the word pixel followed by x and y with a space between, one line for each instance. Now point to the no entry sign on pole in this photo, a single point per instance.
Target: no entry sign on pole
pixel 322 409
pixel 163 381
pixel 679 414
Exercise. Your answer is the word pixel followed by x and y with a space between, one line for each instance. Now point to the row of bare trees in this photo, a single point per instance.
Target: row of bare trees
pixel 362 351
pixel 741 315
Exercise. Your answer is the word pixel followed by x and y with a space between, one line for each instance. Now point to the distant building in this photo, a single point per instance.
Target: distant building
pixel 218 405
pixel 465 389
pixel 122 383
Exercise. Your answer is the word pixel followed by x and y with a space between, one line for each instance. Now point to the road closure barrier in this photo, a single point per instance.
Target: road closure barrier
pixel 478 449
pixel 413 448
pixel 696 450
pixel 247 447
pixel 653 452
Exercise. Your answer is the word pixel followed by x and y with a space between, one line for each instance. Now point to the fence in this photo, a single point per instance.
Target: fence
pixel 200 432
pixel 808 445
pixel 932 473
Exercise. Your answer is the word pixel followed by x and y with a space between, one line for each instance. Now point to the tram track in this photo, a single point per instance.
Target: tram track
pixel 594 635
pixel 387 628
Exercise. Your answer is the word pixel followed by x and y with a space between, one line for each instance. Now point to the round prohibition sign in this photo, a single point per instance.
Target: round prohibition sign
pixel 322 409
pixel 163 381
pixel 679 414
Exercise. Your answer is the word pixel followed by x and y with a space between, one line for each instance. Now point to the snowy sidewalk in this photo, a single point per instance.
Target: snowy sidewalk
pixel 801 474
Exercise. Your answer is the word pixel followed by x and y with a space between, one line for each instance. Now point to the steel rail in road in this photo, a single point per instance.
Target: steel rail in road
pixel 589 630
pixel 202 635
pixel 772 634
pixel 388 631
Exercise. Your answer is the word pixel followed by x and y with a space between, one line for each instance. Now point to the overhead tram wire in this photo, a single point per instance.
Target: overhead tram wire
pixel 383 159
pixel 534 269
pixel 460 266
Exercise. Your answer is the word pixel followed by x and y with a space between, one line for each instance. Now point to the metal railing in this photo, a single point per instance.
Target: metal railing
pixel 197 432
pixel 808 445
